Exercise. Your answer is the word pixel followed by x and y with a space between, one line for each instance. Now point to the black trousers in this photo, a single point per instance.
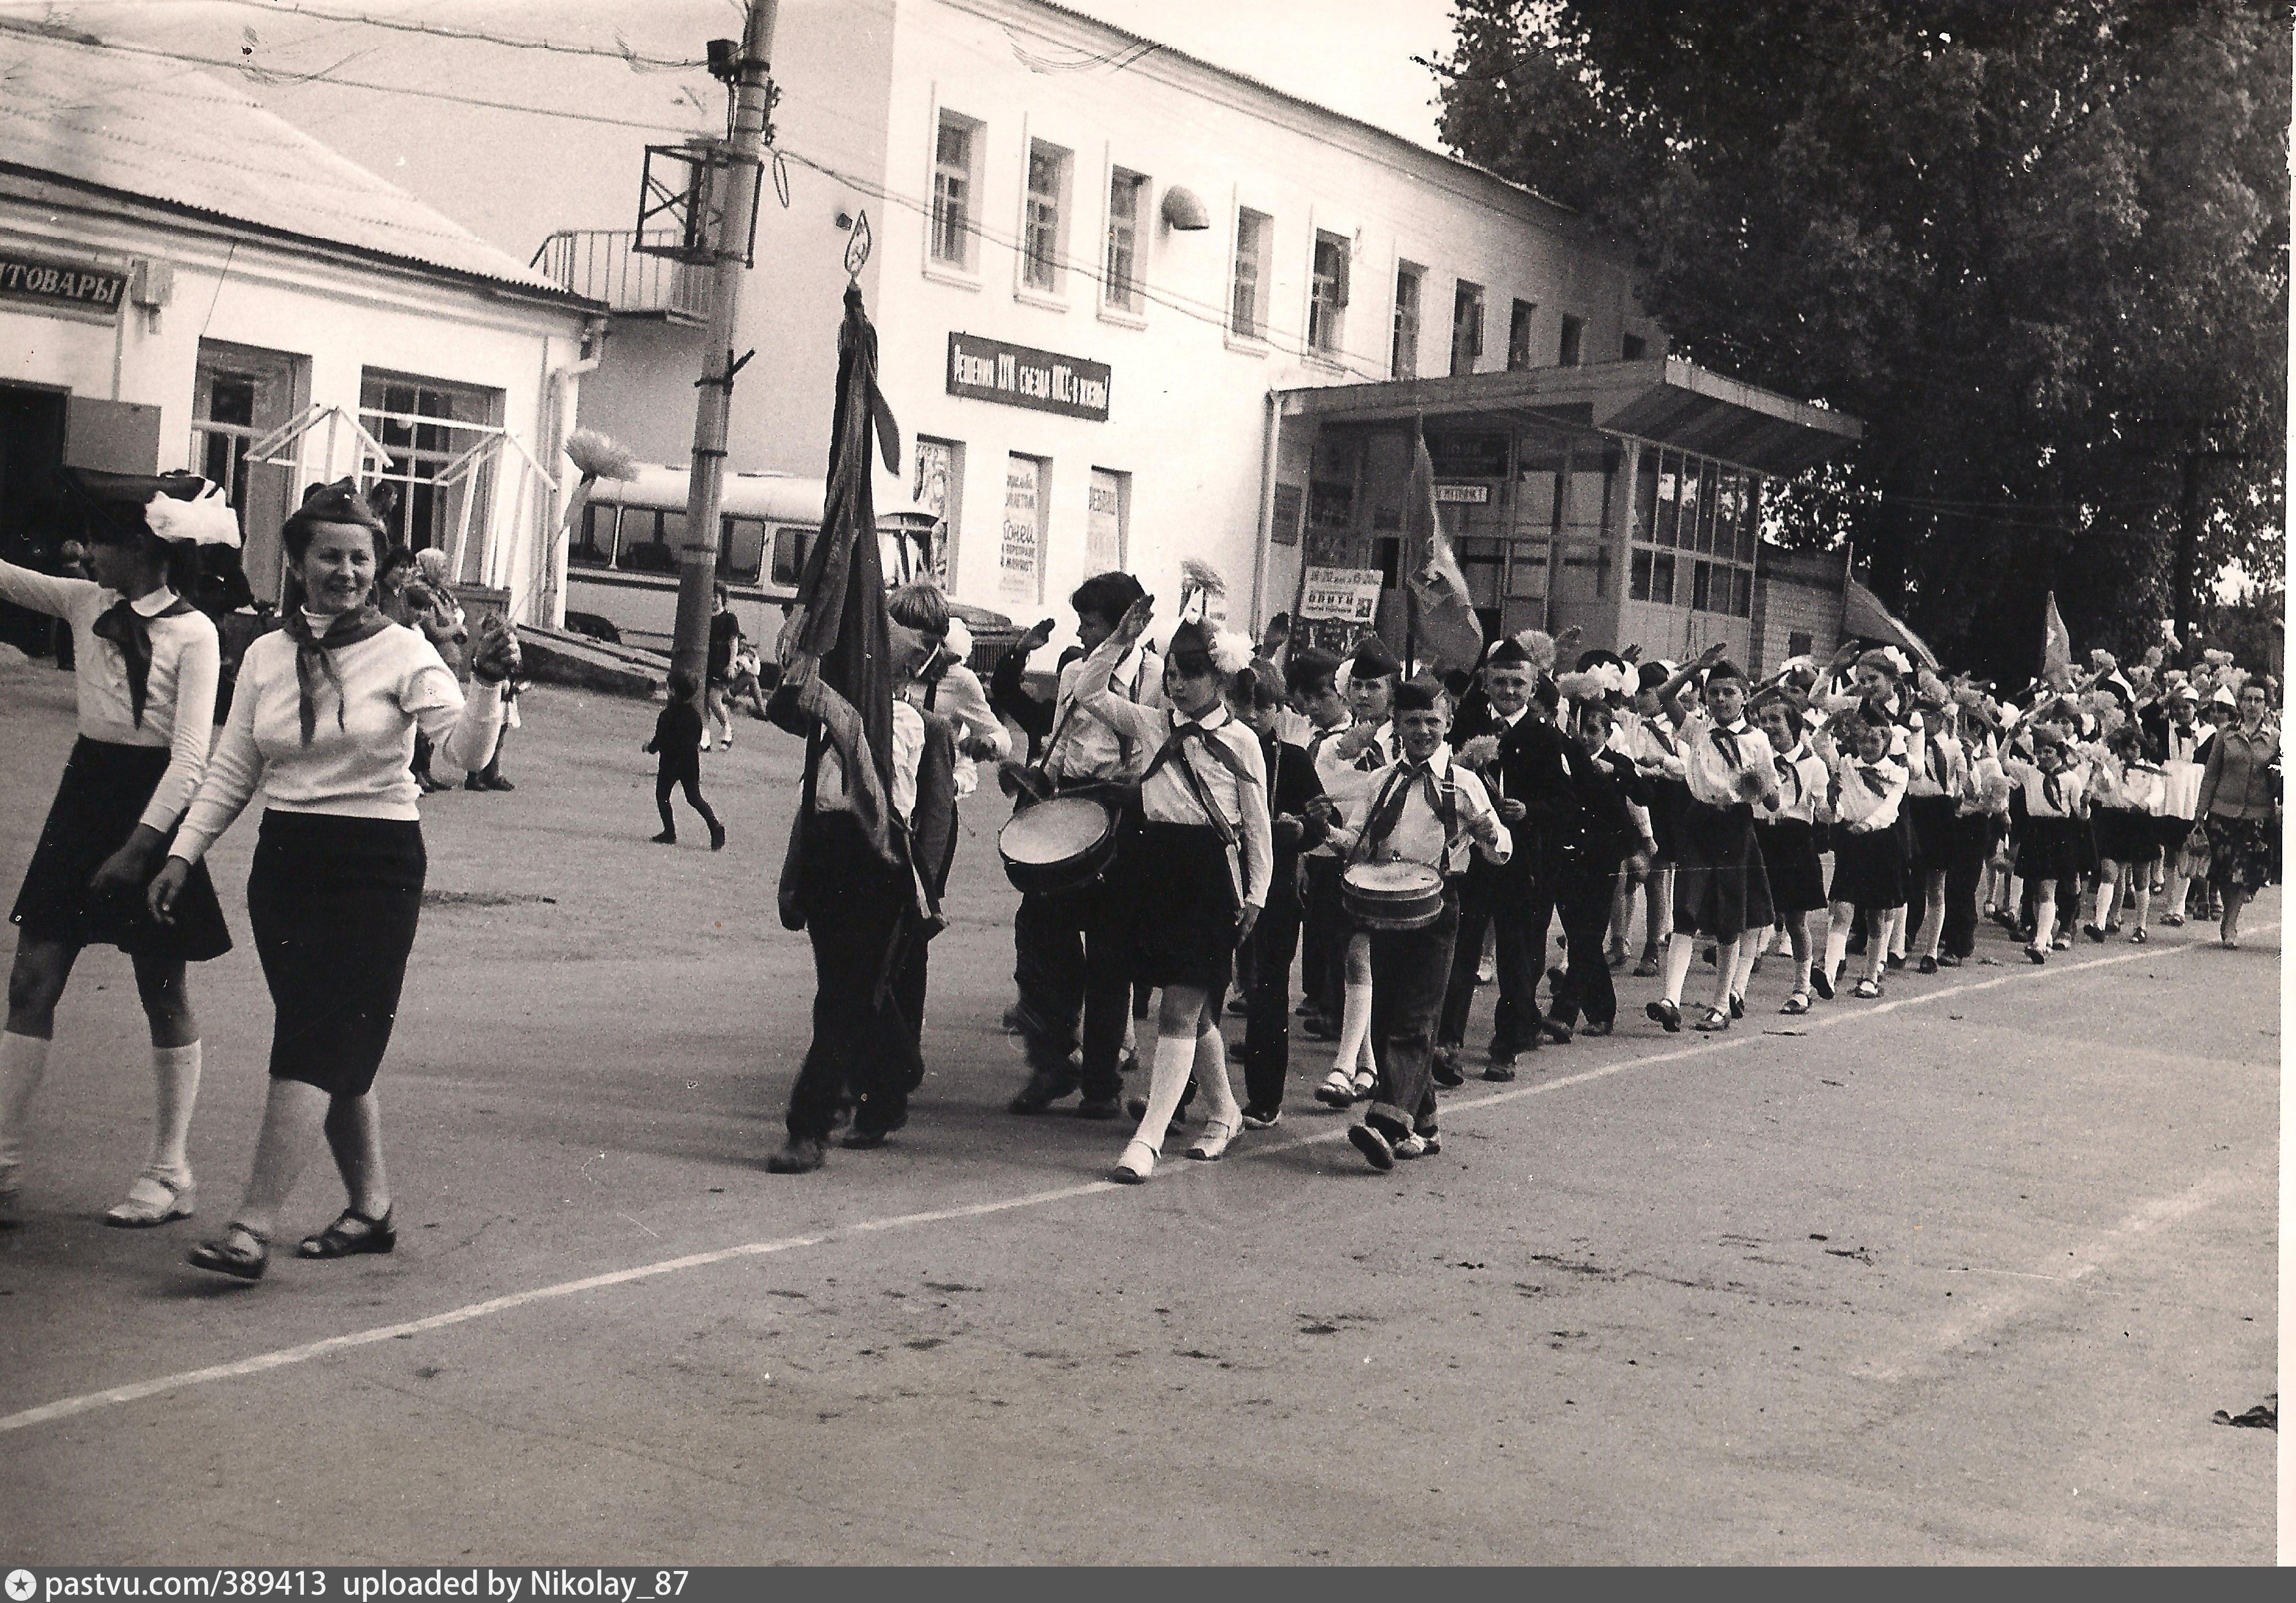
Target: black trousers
pixel 1582 899
pixel 1267 1014
pixel 1519 906
pixel 1071 961
pixel 868 967
pixel 1324 935
pixel 1972 843
pixel 666 780
pixel 1410 970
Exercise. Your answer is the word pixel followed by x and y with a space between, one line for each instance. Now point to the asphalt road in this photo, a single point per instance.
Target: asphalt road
pixel 1958 1277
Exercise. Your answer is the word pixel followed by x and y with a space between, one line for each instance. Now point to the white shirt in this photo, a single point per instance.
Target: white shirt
pixel 179 695
pixel 961 700
pixel 1865 803
pixel 393 682
pixel 1801 797
pixel 1422 834
pixel 2071 782
pixel 1166 796
pixel 1085 745
pixel 1709 771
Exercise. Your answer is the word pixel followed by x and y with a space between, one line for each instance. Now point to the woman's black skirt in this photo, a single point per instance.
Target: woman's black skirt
pixel 1719 887
pixel 1869 869
pixel 102 798
pixel 2124 835
pixel 1790 858
pixel 2049 848
pixel 1179 900
pixel 1929 819
pixel 333 903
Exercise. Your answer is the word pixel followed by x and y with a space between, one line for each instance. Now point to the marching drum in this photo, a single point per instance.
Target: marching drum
pixel 1065 844
pixel 1392 896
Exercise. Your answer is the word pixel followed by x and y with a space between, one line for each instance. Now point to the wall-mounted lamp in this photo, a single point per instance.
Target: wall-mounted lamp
pixel 1182 213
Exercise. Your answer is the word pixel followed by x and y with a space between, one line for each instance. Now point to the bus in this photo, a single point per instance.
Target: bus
pixel 621 561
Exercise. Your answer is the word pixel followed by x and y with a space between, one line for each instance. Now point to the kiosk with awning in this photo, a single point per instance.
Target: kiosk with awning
pixel 1624 497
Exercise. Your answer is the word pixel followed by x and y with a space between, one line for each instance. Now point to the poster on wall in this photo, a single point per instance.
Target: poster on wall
pixel 1019 555
pixel 1347 595
pixel 1103 523
pixel 936 468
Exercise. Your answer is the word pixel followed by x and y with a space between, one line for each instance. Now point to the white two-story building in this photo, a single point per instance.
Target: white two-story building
pixel 1136 308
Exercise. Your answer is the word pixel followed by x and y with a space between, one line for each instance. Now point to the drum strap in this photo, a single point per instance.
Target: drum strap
pixel 1386 812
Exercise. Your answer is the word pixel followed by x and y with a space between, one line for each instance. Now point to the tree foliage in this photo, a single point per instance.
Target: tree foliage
pixel 2039 246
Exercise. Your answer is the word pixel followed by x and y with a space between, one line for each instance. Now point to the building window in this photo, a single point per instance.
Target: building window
pixel 1043 230
pixel 426 424
pixel 1518 335
pixel 1402 360
pixel 1574 334
pixel 1108 516
pixel 1327 295
pixel 1466 327
pixel 1710 514
pixel 940 488
pixel 240 394
pixel 1121 286
pixel 1247 303
pixel 1799 643
pixel 1632 347
pixel 956 177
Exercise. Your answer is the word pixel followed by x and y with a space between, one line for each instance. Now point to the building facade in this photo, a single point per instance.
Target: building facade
pixel 188 282
pixel 1108 282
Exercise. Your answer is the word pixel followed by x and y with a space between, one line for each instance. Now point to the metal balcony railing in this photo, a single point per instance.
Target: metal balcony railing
pixel 599 264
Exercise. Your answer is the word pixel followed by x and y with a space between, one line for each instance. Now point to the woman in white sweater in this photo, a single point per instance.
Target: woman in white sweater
pixel 323 724
pixel 145 684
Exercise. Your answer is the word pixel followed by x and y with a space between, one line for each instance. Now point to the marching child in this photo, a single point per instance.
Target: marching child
pixel 1348 767
pixel 1423 808
pixel 2124 817
pixel 1196 875
pixel 2045 809
pixel 676 746
pixel 1869 855
pixel 1787 826
pixel 1720 890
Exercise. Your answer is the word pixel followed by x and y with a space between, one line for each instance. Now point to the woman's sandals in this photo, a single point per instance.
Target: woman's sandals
pixel 352 1233
pixel 1137 1163
pixel 1212 1145
pixel 1798 1003
pixel 153 1199
pixel 225 1257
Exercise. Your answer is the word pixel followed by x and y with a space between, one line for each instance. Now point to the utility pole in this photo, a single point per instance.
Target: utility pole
pixel 697 559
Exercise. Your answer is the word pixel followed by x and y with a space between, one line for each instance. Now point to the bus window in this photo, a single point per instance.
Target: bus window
pixel 790 546
pixel 645 544
pixel 741 547
pixel 595 549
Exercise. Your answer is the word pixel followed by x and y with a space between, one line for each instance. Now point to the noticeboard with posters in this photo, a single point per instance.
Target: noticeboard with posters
pixel 1348 595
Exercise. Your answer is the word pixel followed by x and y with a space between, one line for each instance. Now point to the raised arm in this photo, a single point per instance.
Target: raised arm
pixel 981 733
pixel 1093 694
pixel 42 592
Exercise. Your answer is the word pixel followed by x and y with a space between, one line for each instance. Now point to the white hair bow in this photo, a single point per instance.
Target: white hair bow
pixel 206 521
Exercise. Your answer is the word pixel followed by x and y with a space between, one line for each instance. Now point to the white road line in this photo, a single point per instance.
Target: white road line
pixel 136 1392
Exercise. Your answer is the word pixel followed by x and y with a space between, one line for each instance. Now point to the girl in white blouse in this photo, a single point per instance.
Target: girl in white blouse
pixel 1196 878
pixel 146 670
pixel 323 723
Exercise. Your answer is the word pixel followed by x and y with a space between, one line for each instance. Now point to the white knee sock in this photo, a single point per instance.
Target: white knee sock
pixel 1749 948
pixel 2144 900
pixel 1354 1028
pixel 23 1061
pixel 1837 948
pixel 175 1072
pixel 1896 944
pixel 1680 948
pixel 1168 1082
pixel 2045 913
pixel 1211 1078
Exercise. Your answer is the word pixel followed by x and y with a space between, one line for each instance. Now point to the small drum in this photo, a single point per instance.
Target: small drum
pixel 1392 896
pixel 1065 844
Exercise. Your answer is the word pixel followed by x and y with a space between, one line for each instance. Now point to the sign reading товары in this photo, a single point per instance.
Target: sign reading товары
pixel 1018 376
pixel 61 285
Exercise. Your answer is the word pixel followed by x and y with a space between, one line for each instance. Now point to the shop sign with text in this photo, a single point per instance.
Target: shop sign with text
pixel 74 287
pixel 1015 375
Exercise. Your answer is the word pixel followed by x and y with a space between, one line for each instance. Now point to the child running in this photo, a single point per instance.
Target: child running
pixel 677 742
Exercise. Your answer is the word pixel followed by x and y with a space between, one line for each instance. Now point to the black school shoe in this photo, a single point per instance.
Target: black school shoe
pixel 1667 1015
pixel 1444 1068
pixel 1821 981
pixel 1378 1151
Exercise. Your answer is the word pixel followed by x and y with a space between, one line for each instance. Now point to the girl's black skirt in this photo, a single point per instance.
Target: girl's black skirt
pixel 102 798
pixel 1790 858
pixel 333 903
pixel 2049 848
pixel 1669 799
pixel 2124 835
pixel 1719 887
pixel 1929 820
pixel 1869 869
pixel 1179 902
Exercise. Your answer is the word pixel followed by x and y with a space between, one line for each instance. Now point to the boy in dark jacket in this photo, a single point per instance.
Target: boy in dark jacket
pixel 677 742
